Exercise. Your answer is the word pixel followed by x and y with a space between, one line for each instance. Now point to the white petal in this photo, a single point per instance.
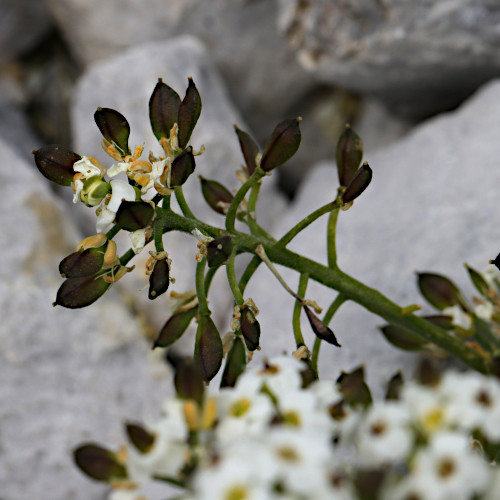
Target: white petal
pixel 120 190
pixel 138 239
pixel 86 168
pixel 104 219
pixel 117 168
pixel 78 190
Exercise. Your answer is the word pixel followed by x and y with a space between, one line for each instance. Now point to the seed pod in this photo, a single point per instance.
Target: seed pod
pixel 250 328
pixel 368 483
pixel 439 291
pixel 401 338
pixel 182 167
pixel 159 279
pixel 320 329
pixel 188 381
pixel 56 163
pixel 479 282
pixel 134 215
pixel 208 351
pixel 349 155
pixel 80 292
pixel 175 326
pixel 219 250
pixel 354 389
pixel 142 439
pixel 216 195
pixel 427 372
pixel 82 263
pixel 358 184
pixel 394 387
pixel 249 149
pixel 236 362
pixel 496 261
pixel 282 144
pixel 163 109
pixel 114 127
pixel 98 463
pixel 189 112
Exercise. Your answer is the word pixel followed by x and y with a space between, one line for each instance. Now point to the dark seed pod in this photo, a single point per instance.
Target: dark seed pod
pixel 142 439
pixel 358 184
pixel 208 351
pixel 56 163
pixel 159 279
pixel 401 338
pixel 320 329
pixel 82 263
pixel 368 483
pixel 282 144
pixel 496 261
pixel 98 463
pixel 163 109
pixel 189 112
pixel 80 292
pixel 216 195
pixel 134 215
pixel 188 381
pixel 349 155
pixel 114 127
pixel 219 250
pixel 249 149
pixel 439 291
pixel 427 372
pixel 354 389
pixel 394 387
pixel 175 326
pixel 441 321
pixel 182 167
pixel 250 328
pixel 236 362
pixel 478 281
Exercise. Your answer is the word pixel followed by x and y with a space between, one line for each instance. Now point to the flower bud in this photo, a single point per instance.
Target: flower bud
pixel 80 292
pixel 320 329
pixel 358 184
pixel 114 127
pixel 159 279
pixel 401 338
pixel 189 112
pixel 134 215
pixel 82 263
pixel 439 291
pixel 208 351
pixel 175 326
pixel 349 155
pixel 163 109
pixel 249 149
pixel 219 250
pixel 427 372
pixel 188 381
pixel 216 195
pixel 99 463
pixel 282 144
pixel 394 387
pixel 139 437
pixel 182 167
pixel 56 163
pixel 354 389
pixel 94 190
pixel 250 328
pixel 236 362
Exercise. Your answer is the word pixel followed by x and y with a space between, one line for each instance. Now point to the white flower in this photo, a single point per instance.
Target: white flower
pixel 384 435
pixel 458 317
pixel 87 169
pixel 125 494
pixel 120 190
pixel 492 275
pixel 485 310
pixel 138 239
pixel 143 172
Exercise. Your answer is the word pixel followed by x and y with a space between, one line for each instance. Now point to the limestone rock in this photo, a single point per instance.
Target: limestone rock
pixel 432 206
pixel 420 57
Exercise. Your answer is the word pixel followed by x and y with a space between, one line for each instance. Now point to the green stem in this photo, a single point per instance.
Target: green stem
pixel 297 309
pixel 126 257
pixel 231 278
pixel 200 288
pixel 179 195
pixel 248 273
pixel 170 480
pixel 158 236
pixel 112 232
pixel 166 202
pixel 209 277
pixel 251 215
pixel 331 246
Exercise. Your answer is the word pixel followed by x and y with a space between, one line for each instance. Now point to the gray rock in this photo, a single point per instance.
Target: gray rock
pixel 174 60
pixel 420 57
pixel 67 376
pixel 22 24
pixel 432 206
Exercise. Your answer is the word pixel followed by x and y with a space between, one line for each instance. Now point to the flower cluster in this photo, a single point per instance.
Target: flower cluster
pixel 276 436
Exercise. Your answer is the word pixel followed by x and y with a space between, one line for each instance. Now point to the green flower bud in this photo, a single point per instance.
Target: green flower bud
pixel 56 163
pixel 282 144
pixel 163 109
pixel 208 351
pixel 358 184
pixel 249 149
pixel 99 463
pixel 159 279
pixel 139 437
pixel 182 167
pixel 94 190
pixel 134 215
pixel 216 195
pixel 219 250
pixel 250 328
pixel 114 127
pixel 320 329
pixel 439 291
pixel 236 362
pixel 349 155
pixel 189 112
pixel 80 292
pixel 188 381
pixel 175 326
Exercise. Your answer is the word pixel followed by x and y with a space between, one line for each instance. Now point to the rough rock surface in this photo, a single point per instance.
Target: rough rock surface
pixel 67 376
pixel 421 57
pixel 432 206
pixel 174 60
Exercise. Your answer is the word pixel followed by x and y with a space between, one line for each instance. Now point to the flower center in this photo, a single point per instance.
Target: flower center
pixel 292 419
pixel 236 492
pixel 446 468
pixel 240 407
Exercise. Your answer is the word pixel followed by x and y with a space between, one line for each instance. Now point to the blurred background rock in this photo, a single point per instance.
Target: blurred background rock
pixel 385 66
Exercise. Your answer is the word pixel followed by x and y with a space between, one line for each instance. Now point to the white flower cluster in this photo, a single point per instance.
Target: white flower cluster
pixel 270 438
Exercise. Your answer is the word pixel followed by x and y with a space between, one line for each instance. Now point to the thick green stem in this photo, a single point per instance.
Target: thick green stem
pixel 179 195
pixel 112 232
pixel 126 257
pixel 297 309
pixel 158 236
pixel 331 245
pixel 231 278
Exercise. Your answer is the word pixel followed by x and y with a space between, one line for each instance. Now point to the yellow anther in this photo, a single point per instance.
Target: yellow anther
pixel 141 166
pixel 209 414
pixel 191 414
pixel 94 241
pixel 111 150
